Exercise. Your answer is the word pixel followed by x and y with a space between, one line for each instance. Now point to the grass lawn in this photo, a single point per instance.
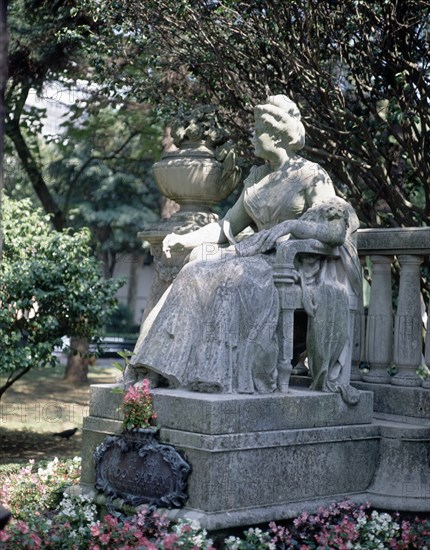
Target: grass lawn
pixel 40 404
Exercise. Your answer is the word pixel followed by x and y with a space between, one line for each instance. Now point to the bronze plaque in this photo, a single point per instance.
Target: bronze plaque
pixel 134 466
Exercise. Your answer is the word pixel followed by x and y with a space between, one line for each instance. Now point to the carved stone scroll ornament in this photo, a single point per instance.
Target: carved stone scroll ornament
pixel 135 467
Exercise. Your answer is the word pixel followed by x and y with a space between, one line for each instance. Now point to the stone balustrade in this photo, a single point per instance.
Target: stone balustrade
pixel 393 337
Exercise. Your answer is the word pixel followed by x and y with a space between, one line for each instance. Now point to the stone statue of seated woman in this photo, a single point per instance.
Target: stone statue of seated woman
pixel 216 328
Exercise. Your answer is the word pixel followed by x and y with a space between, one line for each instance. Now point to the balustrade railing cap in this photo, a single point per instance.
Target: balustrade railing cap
pixel 403 240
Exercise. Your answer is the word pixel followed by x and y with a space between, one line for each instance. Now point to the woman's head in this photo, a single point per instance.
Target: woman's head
pixel 279 119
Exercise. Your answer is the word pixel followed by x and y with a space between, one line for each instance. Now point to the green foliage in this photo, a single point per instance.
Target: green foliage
pixel 358 69
pixel 125 354
pixel 121 322
pixel 35 49
pixel 100 174
pixel 97 174
pixel 50 287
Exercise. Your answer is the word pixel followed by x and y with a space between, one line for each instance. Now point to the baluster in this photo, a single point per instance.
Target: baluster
pixel 358 333
pixel 426 383
pixel 379 334
pixel 408 325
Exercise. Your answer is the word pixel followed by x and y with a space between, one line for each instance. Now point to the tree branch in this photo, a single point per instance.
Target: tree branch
pixel 13 131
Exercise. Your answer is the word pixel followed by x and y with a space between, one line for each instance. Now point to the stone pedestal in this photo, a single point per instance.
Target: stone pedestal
pixel 402 478
pixel 409 403
pixel 269 457
pixel 254 458
pixel 166 269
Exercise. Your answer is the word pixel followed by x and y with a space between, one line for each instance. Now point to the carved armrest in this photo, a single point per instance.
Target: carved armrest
pixel 286 252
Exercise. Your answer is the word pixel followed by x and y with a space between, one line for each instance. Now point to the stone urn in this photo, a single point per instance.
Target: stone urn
pixel 193 177
pixel 201 171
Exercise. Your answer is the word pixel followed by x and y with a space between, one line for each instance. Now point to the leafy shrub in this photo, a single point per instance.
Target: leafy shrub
pixel 34 489
pixel 120 321
pixel 73 526
pixel 51 286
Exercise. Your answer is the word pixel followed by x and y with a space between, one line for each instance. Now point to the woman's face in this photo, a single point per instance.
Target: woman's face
pixel 263 139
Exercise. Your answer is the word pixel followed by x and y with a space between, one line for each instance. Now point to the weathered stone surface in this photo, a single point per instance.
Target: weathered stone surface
pixel 408 329
pixel 249 478
pixel 105 403
pixel 269 469
pixel 402 479
pixel 259 458
pixel 94 431
pixel 400 401
pixel 137 468
pixel 416 240
pixel 223 413
pixel 216 328
pixel 379 334
pixel 220 414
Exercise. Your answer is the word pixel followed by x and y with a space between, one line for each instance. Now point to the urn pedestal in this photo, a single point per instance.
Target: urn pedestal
pixel 195 179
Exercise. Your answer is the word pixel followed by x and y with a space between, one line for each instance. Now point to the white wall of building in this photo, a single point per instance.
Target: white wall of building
pixel 144 274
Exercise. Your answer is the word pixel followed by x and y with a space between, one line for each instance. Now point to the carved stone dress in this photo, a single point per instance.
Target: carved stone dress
pixel 214 329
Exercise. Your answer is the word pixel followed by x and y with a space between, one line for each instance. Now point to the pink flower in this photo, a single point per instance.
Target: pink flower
pixel 104 538
pixel 36 539
pixel 131 395
pixel 111 521
pixel 22 527
pixel 95 529
pixel 170 541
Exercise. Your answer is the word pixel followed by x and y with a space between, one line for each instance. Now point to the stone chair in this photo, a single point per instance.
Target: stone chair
pixel 293 284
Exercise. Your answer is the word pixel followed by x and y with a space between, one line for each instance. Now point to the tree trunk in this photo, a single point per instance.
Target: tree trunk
pixel 77 362
pixel 3 78
pixel 30 166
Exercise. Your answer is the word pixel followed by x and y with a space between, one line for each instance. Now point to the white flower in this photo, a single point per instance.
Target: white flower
pixel 197 540
pixel 232 543
pixel 195 525
pixel 361 521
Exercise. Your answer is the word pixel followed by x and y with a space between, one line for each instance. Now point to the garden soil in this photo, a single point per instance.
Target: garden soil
pixel 41 404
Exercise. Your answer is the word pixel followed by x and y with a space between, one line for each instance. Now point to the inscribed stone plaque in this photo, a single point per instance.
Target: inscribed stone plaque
pixel 140 470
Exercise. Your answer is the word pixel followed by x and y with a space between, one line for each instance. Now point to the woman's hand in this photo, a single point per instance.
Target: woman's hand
pixel 173 243
pixel 263 241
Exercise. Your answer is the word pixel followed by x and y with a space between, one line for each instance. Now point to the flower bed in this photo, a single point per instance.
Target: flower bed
pixel 46 517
